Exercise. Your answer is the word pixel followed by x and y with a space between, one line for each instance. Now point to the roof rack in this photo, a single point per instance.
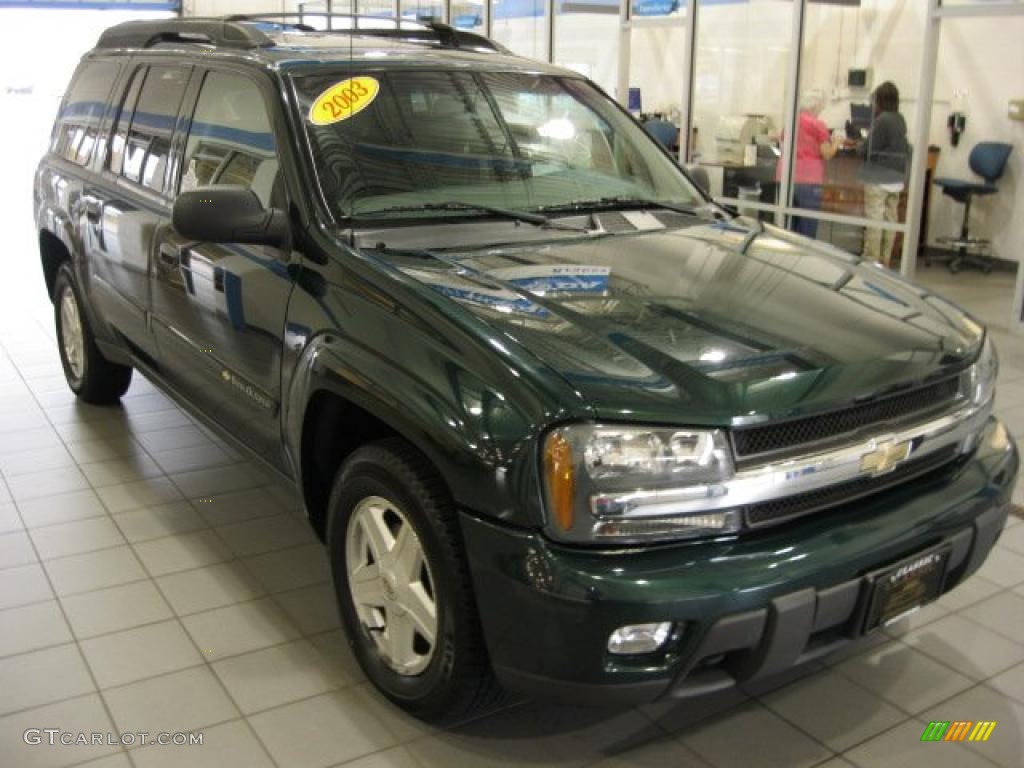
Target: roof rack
pixel 224 33
pixel 247 31
pixel 429 29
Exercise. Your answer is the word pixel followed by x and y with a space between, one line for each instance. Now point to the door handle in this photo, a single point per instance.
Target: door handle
pixel 170 255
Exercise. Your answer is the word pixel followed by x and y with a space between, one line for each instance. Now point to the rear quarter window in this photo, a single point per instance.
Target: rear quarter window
pixel 76 132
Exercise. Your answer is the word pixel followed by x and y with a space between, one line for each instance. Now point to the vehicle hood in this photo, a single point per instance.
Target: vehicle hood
pixel 714 323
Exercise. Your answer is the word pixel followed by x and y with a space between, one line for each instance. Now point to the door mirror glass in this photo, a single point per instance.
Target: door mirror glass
pixel 228 214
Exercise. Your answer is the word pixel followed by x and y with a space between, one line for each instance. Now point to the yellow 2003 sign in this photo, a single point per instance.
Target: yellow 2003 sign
pixel 344 99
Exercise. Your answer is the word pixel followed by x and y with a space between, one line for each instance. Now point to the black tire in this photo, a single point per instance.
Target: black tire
pixel 458 681
pixel 96 380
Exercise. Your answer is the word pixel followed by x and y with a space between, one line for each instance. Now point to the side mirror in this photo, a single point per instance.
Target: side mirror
pixel 228 214
pixel 699 176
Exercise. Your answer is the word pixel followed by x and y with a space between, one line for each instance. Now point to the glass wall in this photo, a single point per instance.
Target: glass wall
pixel 468 14
pixel 587 39
pixel 858 81
pixel 417 9
pixel 520 25
pixel 739 95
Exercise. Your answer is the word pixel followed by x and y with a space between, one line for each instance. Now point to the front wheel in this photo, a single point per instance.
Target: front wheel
pixel 403 585
pixel 90 376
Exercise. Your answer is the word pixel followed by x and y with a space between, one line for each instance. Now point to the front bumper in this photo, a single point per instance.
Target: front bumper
pixel 744 608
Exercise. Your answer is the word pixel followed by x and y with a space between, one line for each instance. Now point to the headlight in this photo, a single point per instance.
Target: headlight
pixel 621 484
pixel 982 375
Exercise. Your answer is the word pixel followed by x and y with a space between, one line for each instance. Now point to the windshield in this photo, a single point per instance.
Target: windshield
pixel 390 142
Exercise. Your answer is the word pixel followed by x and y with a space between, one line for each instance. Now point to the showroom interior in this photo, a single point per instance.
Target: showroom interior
pixel 154 578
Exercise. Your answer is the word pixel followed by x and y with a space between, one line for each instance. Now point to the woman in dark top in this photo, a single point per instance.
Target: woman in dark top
pixel 886 155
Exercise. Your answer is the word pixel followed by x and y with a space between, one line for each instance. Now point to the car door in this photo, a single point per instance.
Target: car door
pixel 219 309
pixel 133 201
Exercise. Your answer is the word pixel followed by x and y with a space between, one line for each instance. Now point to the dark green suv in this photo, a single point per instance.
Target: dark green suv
pixel 565 426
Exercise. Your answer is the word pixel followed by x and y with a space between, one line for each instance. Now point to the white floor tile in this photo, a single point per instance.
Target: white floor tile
pixel 1003 613
pixel 41 677
pixel 77 537
pixel 230 745
pixel 65 508
pixel 127 469
pixel 182 552
pixel 142 493
pixel 16 549
pixel 1010 683
pixel 31 627
pixel 50 482
pixel 767 740
pixel 983 703
pixel 182 701
pixel 239 628
pixel 966 647
pixel 976 588
pixel 320 732
pixel 94 570
pixel 312 609
pixel 154 522
pixel 279 675
pixel 904 677
pixel 10 520
pixel 833 710
pixel 901 747
pixel 213 586
pixel 124 657
pixel 225 509
pixel 290 568
pixel 23 585
pixel 265 534
pixel 116 608
pixel 223 479
pixel 81 715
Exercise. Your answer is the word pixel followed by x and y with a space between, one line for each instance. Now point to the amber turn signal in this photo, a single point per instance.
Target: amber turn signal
pixel 561 480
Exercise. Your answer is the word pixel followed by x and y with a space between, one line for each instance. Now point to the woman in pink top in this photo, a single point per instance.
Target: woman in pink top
pixel 814 145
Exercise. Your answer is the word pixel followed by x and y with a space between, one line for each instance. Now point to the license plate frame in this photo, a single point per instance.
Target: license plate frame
pixel 903 587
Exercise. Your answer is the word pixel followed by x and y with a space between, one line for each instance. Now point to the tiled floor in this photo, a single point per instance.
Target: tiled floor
pixel 140 591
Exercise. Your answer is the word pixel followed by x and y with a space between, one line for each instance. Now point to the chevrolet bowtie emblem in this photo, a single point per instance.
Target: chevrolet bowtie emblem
pixel 886 456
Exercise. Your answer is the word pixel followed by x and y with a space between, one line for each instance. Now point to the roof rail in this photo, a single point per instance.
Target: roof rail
pixel 217 32
pixel 426 29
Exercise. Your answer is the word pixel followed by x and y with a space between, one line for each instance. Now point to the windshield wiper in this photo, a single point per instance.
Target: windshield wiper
pixel 527 217
pixel 625 201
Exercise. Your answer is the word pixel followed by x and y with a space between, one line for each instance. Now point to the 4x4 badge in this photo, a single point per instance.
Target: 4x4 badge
pixel 886 456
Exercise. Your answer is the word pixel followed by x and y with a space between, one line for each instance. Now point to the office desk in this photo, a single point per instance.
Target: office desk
pixel 843 193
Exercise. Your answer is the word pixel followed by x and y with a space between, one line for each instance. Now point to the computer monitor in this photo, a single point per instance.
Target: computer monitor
pixel 860 116
pixel 635 103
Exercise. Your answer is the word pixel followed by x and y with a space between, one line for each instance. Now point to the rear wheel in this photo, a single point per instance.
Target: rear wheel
pixel 90 376
pixel 403 585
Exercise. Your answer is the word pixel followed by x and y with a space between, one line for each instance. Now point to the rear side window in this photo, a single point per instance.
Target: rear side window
pixel 78 122
pixel 142 141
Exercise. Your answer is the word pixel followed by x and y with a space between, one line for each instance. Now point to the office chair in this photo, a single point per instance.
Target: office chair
pixel 666 133
pixel 988 160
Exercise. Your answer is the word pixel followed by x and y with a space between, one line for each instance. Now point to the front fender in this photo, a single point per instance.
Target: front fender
pixel 483 445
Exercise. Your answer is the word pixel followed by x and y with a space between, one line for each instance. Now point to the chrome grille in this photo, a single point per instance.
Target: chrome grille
pixel 779 510
pixel 792 434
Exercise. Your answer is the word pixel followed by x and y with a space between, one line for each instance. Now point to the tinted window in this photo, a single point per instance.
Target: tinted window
pixel 78 122
pixel 230 140
pixel 124 121
pixel 148 142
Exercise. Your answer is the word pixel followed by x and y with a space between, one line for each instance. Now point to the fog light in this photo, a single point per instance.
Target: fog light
pixel 639 638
